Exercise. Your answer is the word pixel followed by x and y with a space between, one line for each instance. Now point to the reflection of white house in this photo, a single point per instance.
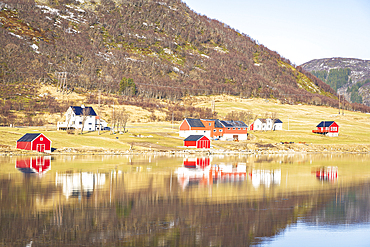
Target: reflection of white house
pixel 78 184
pixel 267 124
pixel 75 116
pixel 265 177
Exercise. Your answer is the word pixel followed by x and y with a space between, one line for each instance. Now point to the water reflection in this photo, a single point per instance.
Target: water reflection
pixel 39 165
pixel 329 173
pixel 79 184
pixel 265 177
pixel 200 171
pixel 176 200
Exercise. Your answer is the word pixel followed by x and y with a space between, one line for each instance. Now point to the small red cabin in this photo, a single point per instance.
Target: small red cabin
pixel 35 142
pixel 329 128
pixel 197 141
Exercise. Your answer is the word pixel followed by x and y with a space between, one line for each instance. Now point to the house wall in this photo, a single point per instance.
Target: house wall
pixel 24 145
pixel 241 137
pixel 41 139
pixel 190 143
pixel 203 143
pixel 186 133
pixel 278 126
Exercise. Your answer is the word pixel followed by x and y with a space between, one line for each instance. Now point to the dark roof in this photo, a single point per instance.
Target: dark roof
pixel 194 122
pixel 231 124
pixel 29 137
pixel 78 110
pixel 193 137
pixel 278 121
pixel 325 124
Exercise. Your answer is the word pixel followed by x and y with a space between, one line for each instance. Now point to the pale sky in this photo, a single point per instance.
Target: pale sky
pixel 298 30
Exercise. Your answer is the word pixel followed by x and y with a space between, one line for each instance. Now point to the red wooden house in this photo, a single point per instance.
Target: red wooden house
pixel 329 128
pixel 35 142
pixel 197 141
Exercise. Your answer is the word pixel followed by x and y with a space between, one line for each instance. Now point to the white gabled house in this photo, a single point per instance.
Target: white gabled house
pixel 266 124
pixel 81 117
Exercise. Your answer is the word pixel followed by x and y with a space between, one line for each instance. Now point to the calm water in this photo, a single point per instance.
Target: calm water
pixel 231 200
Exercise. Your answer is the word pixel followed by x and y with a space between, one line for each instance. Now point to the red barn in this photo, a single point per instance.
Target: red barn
pixel 198 141
pixel 329 128
pixel 35 142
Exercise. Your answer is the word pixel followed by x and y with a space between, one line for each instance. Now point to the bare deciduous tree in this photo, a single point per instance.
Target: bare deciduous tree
pixel 84 116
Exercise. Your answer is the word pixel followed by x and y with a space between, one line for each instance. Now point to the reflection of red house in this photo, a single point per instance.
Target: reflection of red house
pixel 329 173
pixel 197 141
pixel 34 164
pixel 200 162
pixel 329 128
pixel 35 141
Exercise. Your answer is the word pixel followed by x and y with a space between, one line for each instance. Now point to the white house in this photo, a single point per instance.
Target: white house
pixel 76 116
pixel 267 124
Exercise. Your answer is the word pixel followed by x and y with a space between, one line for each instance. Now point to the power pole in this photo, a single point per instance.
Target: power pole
pixel 99 127
pixel 172 121
pixel 112 128
pixel 339 104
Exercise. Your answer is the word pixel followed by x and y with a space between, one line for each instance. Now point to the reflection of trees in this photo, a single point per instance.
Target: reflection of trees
pixel 349 206
pixel 151 216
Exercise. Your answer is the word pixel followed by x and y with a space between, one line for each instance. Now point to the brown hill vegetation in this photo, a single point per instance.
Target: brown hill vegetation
pixel 139 48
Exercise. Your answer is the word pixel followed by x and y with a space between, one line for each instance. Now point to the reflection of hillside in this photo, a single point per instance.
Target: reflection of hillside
pixel 149 217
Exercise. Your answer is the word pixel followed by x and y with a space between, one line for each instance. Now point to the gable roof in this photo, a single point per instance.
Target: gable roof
pixel 194 122
pixel 277 121
pixel 194 137
pixel 29 137
pixel 217 122
pixel 325 124
pixel 78 110
pixel 238 124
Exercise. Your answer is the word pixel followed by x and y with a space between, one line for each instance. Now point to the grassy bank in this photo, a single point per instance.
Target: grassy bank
pixel 298 123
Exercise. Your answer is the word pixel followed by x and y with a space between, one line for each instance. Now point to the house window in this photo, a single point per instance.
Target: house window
pixel 90 123
pixel 228 128
pixel 220 130
pixel 214 130
pixel 243 128
pixel 41 138
pixel 233 128
pixel 209 124
pixel 238 128
pixel 80 122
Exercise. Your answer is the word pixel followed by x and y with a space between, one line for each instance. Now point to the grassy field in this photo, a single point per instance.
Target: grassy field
pixel 298 123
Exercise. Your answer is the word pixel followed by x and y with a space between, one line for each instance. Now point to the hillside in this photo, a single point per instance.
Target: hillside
pixel 150 49
pixel 348 76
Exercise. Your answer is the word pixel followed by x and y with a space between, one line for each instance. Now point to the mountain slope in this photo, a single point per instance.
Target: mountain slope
pixel 162 48
pixel 353 76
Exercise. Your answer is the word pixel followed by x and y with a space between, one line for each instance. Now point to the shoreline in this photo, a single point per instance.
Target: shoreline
pixel 246 148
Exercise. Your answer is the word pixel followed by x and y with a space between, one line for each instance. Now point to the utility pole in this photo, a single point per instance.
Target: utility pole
pixel 112 127
pixel 62 81
pixel 339 104
pixel 172 120
pixel 99 127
